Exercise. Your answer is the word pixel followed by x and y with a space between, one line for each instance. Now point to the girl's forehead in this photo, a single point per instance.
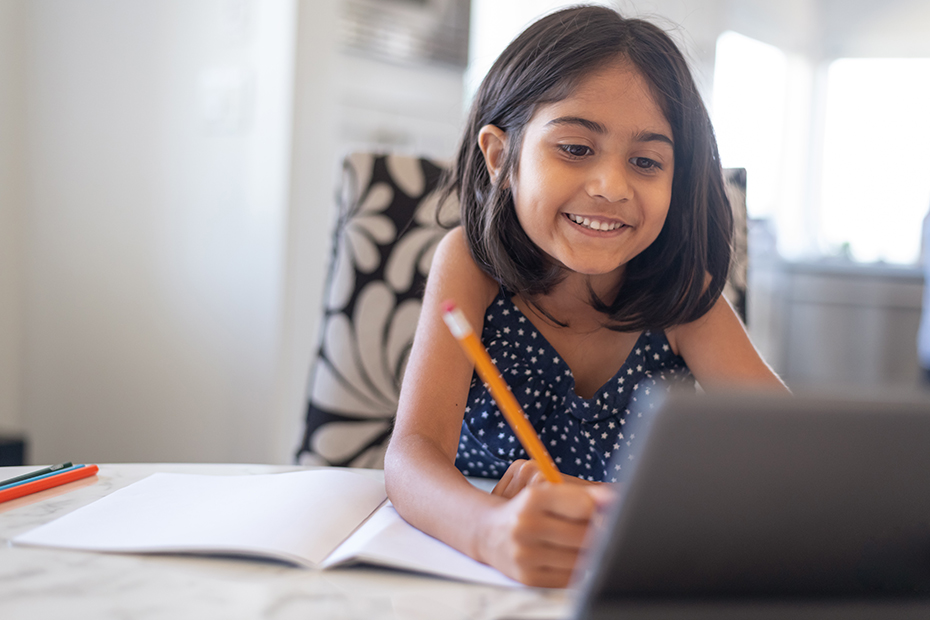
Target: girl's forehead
pixel 620 75
pixel 617 90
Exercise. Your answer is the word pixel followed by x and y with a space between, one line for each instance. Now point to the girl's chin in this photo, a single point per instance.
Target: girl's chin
pixel 593 271
pixel 595 266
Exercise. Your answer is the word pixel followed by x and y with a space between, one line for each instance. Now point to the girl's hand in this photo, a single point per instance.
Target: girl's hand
pixel 523 473
pixel 537 536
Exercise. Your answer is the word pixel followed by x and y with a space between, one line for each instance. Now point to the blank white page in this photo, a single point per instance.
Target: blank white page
pixel 296 516
pixel 387 540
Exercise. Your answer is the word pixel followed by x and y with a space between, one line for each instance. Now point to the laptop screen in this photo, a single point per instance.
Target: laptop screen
pixel 761 496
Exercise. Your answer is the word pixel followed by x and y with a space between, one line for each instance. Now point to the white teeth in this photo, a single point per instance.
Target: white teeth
pixel 594 224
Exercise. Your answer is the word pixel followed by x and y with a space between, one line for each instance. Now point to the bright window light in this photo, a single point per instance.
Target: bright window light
pixel 750 86
pixel 876 166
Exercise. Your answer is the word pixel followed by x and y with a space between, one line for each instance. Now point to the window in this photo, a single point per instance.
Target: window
pixel 750 86
pixel 876 159
pixel 845 173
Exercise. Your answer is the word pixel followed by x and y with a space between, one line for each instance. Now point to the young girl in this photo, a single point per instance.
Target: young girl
pixel 593 247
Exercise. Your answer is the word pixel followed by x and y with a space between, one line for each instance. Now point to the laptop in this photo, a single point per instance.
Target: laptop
pixel 757 506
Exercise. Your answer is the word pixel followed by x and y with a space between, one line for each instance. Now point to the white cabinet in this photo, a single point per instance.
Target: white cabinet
pixel 837 324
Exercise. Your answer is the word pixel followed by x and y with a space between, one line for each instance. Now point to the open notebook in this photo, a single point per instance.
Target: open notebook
pixel 315 518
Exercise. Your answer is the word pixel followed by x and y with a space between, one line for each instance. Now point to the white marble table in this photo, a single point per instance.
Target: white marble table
pixel 42 583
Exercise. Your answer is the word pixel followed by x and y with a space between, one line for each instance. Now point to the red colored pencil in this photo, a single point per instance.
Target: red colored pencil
pixel 27 488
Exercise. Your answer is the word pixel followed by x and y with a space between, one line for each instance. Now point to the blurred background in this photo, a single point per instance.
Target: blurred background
pixel 168 168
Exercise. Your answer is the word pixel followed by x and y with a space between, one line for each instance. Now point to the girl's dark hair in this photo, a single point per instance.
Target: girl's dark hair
pixel 682 273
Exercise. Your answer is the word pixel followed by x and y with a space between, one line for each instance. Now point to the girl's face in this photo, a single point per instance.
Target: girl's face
pixel 594 179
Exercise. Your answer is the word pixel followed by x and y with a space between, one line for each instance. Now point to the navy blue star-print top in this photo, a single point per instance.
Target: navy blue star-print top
pixel 591 438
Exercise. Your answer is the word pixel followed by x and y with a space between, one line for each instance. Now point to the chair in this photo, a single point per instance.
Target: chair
pixel 384 241
pixel 737 282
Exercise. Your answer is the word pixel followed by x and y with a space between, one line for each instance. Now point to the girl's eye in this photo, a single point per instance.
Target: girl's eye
pixel 645 163
pixel 575 150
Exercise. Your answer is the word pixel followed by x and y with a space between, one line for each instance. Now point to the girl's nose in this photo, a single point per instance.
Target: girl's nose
pixel 609 181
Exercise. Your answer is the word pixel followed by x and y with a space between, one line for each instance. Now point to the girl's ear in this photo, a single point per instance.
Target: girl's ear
pixel 493 144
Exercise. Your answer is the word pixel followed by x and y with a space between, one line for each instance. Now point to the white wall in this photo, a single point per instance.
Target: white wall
pixel 862 28
pixel 171 238
pixel 315 158
pixel 12 117
pixel 415 109
pixel 158 144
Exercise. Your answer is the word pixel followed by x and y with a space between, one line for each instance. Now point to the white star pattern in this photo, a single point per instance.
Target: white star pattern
pixel 534 371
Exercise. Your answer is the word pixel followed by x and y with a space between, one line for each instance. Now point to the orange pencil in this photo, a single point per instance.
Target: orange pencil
pixel 47 482
pixel 509 406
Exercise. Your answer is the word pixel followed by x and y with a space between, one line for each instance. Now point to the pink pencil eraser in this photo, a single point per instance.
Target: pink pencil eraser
pixel 447 306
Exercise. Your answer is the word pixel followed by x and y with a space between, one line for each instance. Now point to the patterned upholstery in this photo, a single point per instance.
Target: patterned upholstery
pixel 738 280
pixel 383 246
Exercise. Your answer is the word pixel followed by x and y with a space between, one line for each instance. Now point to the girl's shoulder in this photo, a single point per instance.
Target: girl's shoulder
pixel 718 351
pixel 684 331
pixel 454 271
pixel 706 328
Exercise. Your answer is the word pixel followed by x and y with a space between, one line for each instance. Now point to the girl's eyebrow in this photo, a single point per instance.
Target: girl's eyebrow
pixel 645 136
pixel 575 120
pixel 651 136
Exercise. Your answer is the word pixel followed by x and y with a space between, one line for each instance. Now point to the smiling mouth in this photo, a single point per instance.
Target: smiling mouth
pixel 593 224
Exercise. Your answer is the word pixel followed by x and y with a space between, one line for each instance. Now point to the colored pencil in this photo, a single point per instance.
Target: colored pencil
pixel 513 413
pixel 33 474
pixel 41 483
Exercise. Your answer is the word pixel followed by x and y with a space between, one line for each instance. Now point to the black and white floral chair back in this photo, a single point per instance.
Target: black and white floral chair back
pixel 384 242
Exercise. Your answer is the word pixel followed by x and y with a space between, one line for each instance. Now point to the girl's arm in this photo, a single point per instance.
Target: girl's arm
pixel 534 537
pixel 719 353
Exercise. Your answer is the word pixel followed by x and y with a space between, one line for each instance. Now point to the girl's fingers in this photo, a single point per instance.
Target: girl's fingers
pixel 537 536
pixel 521 473
pixel 557 516
pixel 556 534
pixel 548 558
pixel 572 502
pixel 544 577
pixel 604 495
pixel 503 484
